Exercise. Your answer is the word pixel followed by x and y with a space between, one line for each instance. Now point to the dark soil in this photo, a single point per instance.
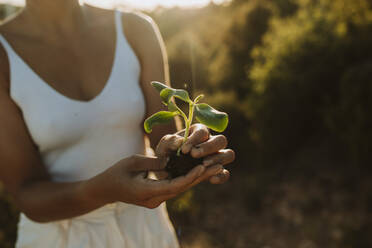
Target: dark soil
pixel 181 165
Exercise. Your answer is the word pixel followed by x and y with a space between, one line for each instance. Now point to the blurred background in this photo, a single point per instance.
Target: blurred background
pixel 295 77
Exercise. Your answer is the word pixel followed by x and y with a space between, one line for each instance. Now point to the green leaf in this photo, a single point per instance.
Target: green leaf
pixel 158 118
pixel 172 107
pixel 210 117
pixel 166 93
pixel 183 95
pixel 159 86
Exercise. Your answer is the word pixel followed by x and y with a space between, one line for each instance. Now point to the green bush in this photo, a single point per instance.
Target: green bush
pixel 301 71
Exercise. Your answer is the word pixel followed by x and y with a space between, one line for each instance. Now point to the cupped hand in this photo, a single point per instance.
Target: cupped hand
pixel 212 148
pixel 127 181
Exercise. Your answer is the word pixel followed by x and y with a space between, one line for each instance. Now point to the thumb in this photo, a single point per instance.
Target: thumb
pixel 147 163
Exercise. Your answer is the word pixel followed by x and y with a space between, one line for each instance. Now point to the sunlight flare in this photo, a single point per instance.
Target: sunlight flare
pixel 145 4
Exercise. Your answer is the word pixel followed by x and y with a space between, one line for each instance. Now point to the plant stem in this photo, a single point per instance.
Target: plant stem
pixel 188 122
pixel 182 114
pixel 198 98
pixel 185 120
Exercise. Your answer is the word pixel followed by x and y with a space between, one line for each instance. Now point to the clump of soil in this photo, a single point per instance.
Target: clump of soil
pixel 181 165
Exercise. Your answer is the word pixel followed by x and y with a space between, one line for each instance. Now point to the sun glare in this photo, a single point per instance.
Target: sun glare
pixel 144 4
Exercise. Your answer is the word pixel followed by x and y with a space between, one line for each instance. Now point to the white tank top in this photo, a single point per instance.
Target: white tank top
pixel 80 139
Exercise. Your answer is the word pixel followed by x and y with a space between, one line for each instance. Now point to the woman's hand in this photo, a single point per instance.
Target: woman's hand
pixel 127 182
pixel 201 144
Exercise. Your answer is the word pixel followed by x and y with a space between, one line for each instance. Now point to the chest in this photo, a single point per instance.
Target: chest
pixel 57 122
pixel 78 69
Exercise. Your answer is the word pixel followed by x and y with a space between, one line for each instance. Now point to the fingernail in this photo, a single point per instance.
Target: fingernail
pixel 201 171
pixel 207 162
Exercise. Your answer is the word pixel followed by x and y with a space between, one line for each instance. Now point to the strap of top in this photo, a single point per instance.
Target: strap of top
pixel 118 24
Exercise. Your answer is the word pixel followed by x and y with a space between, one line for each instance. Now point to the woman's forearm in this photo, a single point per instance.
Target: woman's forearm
pixel 47 201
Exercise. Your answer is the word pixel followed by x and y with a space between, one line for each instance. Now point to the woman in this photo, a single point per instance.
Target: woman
pixel 74 90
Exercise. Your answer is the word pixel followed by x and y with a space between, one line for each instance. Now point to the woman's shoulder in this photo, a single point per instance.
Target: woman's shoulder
pixel 130 18
pixel 138 28
pixel 142 33
pixel 137 19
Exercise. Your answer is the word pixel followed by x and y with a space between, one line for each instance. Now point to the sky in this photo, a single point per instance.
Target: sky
pixel 142 4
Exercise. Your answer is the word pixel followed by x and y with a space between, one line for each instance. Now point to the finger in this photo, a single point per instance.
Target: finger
pixel 204 176
pixel 156 201
pixel 161 175
pixel 208 173
pixel 176 185
pixel 220 178
pixel 213 145
pixel 141 163
pixel 168 143
pixel 223 157
pixel 199 134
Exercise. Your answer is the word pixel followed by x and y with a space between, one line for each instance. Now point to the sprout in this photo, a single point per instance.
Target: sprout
pixel 203 113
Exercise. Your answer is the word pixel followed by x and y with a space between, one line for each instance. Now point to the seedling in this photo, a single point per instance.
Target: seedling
pixel 180 164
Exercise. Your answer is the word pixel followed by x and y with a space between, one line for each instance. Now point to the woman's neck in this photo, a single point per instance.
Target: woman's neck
pixel 59 16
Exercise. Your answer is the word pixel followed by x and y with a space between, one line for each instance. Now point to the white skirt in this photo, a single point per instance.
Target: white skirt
pixel 117 225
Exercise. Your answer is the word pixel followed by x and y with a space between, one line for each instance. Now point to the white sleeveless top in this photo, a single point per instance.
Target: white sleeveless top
pixel 80 139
